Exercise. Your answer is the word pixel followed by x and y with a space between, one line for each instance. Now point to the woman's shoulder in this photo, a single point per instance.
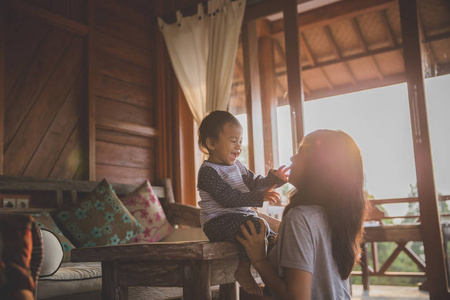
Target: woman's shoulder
pixel 305 213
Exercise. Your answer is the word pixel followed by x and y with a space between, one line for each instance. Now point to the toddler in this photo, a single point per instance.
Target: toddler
pixel 228 189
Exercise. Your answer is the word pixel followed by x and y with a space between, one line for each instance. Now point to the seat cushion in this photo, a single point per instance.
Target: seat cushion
pixel 71 278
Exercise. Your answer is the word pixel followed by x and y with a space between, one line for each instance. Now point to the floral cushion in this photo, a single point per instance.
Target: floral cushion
pixel 100 219
pixel 45 221
pixel 146 208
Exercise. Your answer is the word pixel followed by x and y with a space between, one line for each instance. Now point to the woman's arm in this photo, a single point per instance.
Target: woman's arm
pixel 296 285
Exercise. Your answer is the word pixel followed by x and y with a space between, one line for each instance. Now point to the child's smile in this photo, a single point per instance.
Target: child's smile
pixel 228 147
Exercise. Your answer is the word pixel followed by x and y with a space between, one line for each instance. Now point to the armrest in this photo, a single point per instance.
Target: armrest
pixel 181 214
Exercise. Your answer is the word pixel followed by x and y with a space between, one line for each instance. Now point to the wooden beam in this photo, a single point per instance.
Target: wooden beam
pixel 429 209
pixel 253 97
pixel 354 56
pixel 49 17
pixel 91 91
pixel 362 85
pixel 363 45
pixel 261 9
pixel 2 80
pixel 293 69
pixel 334 12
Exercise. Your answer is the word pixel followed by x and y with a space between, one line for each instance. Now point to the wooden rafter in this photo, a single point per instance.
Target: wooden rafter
pixel 312 59
pixel 334 12
pixel 336 51
pixel 387 26
pixel 308 52
pixel 49 17
pixel 363 45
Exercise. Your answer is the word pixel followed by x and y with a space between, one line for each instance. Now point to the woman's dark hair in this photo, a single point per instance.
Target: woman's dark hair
pixel 334 179
pixel 212 125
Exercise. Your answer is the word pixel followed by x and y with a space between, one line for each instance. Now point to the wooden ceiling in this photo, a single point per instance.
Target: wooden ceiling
pixel 349 46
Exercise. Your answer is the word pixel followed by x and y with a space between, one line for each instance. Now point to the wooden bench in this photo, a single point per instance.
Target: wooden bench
pixel 194 266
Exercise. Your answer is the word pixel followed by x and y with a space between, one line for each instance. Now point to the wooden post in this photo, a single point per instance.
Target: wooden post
pixel 253 97
pixel 110 283
pixel 161 102
pixel 196 280
pixel 269 102
pixel 295 90
pixel 364 267
pixel 2 80
pixel 228 291
pixel 429 213
pixel 91 94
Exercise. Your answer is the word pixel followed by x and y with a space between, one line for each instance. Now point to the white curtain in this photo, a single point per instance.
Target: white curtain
pixel 202 49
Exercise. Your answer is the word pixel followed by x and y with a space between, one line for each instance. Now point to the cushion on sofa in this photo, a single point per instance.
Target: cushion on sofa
pixel 53 253
pixel 45 221
pixel 100 219
pixel 144 205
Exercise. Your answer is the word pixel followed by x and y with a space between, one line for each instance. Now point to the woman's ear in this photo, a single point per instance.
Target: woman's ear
pixel 210 143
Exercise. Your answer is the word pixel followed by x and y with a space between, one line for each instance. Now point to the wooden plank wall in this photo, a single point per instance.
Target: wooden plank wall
pixel 124 93
pixel 51 72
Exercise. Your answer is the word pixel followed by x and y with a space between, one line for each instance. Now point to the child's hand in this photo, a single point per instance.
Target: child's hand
pixel 271 195
pixel 281 173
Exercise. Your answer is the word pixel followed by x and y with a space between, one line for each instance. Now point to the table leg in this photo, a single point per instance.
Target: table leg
pixel 228 291
pixel 110 283
pixel 197 280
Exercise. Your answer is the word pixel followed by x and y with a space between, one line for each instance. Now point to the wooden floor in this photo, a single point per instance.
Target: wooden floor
pixel 385 292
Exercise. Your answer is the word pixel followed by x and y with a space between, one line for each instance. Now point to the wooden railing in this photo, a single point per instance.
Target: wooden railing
pixel 400 234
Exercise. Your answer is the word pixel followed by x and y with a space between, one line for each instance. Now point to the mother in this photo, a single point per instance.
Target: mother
pixel 322 226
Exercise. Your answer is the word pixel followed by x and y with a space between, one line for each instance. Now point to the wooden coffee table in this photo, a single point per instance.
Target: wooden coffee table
pixel 194 266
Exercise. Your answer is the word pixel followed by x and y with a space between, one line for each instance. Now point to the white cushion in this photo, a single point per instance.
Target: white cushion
pixel 53 253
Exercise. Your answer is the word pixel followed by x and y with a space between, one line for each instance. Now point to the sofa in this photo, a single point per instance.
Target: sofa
pixel 62 279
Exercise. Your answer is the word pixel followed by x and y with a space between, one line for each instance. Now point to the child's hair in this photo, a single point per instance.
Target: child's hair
pixel 334 180
pixel 212 125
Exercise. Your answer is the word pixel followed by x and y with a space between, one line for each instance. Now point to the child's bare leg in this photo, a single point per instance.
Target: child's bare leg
pixel 245 279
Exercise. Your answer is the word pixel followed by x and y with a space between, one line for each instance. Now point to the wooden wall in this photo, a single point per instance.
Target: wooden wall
pixel 80 91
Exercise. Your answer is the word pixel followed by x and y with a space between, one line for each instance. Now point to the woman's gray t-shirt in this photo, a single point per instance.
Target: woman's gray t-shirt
pixel 304 242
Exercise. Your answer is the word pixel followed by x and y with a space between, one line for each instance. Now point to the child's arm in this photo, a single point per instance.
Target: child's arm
pixel 274 177
pixel 210 181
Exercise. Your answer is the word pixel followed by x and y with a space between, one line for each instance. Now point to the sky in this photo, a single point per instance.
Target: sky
pixel 379 122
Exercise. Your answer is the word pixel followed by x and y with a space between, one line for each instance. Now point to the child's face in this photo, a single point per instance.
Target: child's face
pixel 227 148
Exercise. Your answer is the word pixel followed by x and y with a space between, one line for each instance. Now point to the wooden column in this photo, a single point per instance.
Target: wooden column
pixel 91 94
pixel 269 102
pixel 429 213
pixel 2 80
pixel 163 155
pixel 253 97
pixel 295 90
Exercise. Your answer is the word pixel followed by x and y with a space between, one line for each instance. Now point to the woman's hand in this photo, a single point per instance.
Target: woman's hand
pixel 282 173
pixel 254 243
